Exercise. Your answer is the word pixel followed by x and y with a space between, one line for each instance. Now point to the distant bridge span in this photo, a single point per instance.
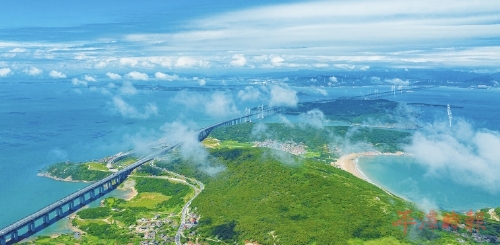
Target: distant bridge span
pixel 56 211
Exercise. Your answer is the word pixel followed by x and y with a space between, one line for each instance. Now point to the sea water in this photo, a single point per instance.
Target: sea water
pixel 44 121
pixel 405 177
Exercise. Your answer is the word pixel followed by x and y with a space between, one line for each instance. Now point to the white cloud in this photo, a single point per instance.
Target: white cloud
pixel 128 111
pixel 135 75
pixel 5 71
pixel 18 50
pixel 163 76
pixel 191 149
pixel 89 78
pixel 333 79
pixel 202 82
pixel 315 118
pixel 113 76
pixel 57 74
pixel 238 60
pixel 277 61
pixel 220 104
pixel 128 62
pixel 128 89
pixel 188 62
pixel 398 81
pixel 469 156
pixel 283 96
pixel 217 105
pixel 76 82
pixel 33 71
pixel 249 94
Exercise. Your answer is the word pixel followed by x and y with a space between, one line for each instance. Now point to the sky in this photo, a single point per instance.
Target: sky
pixel 155 40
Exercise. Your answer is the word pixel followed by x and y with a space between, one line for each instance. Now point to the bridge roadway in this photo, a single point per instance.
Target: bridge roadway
pixel 41 219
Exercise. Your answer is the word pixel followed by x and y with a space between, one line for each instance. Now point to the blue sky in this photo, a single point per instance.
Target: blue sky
pixel 136 40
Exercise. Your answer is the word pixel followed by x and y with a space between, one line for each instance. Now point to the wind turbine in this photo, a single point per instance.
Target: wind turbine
pixel 449 114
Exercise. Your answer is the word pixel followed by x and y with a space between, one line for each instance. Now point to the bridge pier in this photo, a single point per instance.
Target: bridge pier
pixel 59 211
pixel 46 219
pixel 92 194
pixel 31 227
pixel 71 205
pixel 2 240
pixel 101 189
pixel 82 199
pixel 13 236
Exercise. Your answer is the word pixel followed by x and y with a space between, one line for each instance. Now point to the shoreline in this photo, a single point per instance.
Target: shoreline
pixel 69 179
pixel 349 163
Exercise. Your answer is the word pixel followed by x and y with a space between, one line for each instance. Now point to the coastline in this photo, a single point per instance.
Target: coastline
pixel 69 179
pixel 65 225
pixel 349 163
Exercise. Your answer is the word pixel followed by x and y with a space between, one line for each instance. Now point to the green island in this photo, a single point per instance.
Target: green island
pixel 279 186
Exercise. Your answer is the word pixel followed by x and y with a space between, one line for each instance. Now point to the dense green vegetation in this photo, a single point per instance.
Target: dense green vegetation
pixel 94 213
pixel 317 140
pixel 77 171
pixel 257 196
pixel 108 232
pixel 177 192
pixel 355 111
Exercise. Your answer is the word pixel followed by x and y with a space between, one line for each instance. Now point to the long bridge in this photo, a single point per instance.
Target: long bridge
pixel 56 211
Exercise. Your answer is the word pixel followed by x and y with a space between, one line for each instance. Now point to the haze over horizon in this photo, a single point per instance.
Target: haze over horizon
pixel 155 40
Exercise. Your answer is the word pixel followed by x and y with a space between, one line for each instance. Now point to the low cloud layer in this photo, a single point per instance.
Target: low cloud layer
pixel 135 75
pixel 249 93
pixel 128 111
pixel 33 71
pixel 191 149
pixel 283 96
pixel 163 76
pixel 57 74
pixel 315 118
pixel 113 76
pixel 218 104
pixel 238 60
pixel 469 156
pixel 4 72
pixel 398 81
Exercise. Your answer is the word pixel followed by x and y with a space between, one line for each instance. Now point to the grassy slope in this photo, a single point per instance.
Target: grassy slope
pixel 305 204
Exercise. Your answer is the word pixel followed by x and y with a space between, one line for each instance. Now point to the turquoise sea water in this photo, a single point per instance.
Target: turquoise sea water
pixel 404 176
pixel 401 175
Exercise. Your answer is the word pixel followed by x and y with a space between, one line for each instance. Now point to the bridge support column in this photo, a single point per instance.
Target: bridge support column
pixel 59 211
pixel 13 236
pixel 31 227
pixel 46 219
pixel 71 205
pixel 92 194
pixel 101 189
pixel 82 199
pixel 2 240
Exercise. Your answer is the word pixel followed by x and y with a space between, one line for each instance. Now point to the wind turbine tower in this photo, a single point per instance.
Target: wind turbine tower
pixel 449 114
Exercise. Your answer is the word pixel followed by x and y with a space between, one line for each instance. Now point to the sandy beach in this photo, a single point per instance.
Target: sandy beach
pixel 129 186
pixel 349 163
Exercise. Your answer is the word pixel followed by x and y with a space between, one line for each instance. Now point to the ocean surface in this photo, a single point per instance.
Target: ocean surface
pixel 44 121
pixel 405 177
